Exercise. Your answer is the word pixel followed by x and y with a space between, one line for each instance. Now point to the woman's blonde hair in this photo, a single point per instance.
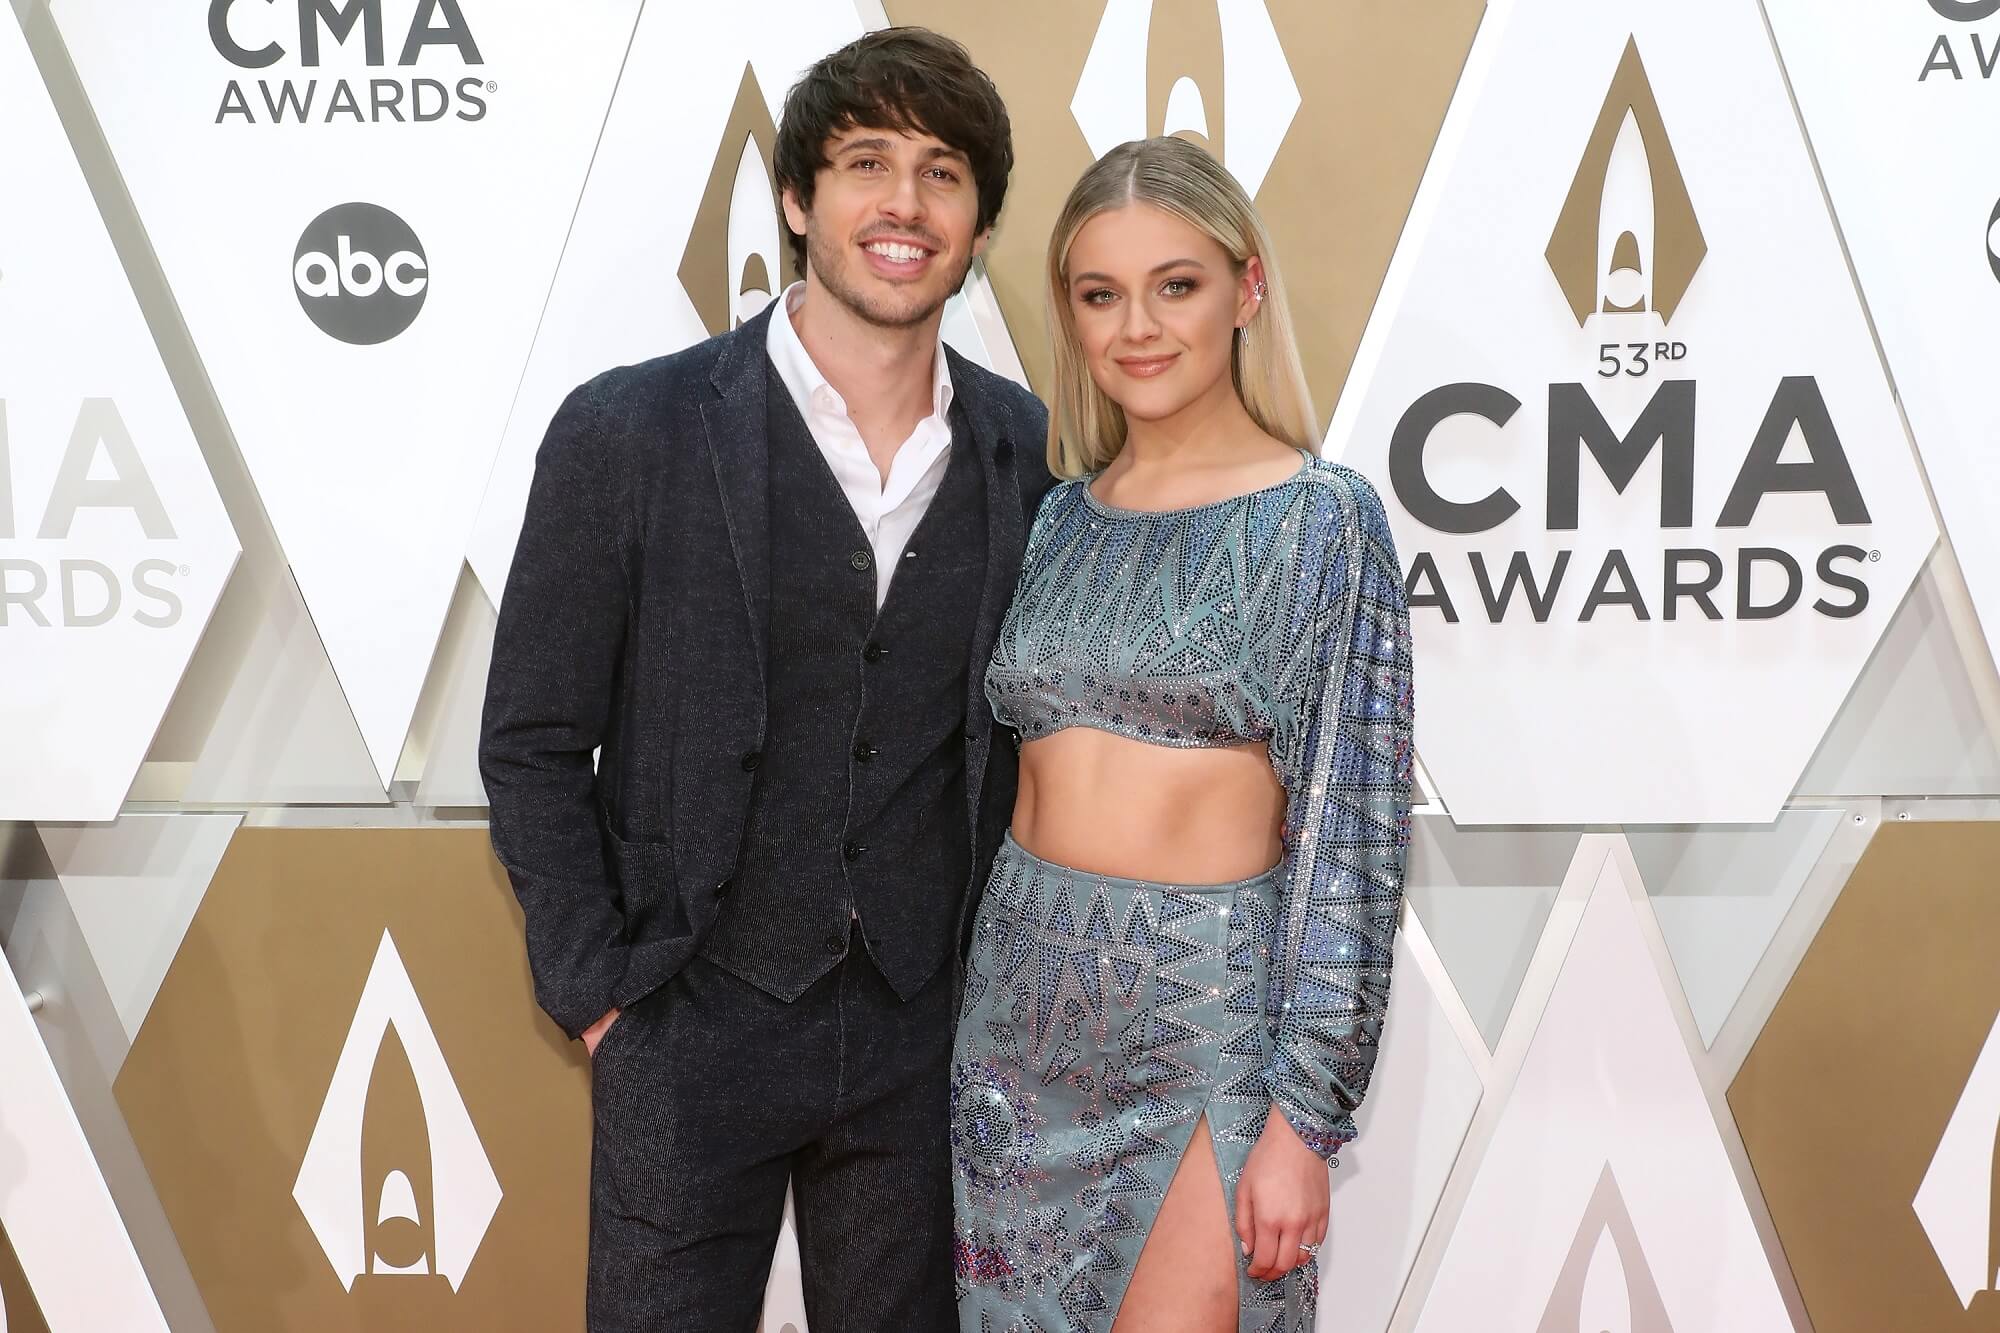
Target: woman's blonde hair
pixel 1087 428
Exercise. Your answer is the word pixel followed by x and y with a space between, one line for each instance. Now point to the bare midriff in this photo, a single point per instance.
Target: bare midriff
pixel 1110 805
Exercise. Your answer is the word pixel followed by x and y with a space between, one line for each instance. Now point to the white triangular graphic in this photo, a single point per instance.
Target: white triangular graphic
pixel 784 1290
pixel 753 227
pixel 60 1218
pixel 1628 211
pixel 1607 1090
pixel 450 720
pixel 1896 141
pixel 1601 155
pixel 114 546
pixel 282 732
pixel 133 887
pixel 1902 729
pixel 1721 894
pixel 1607 1304
pixel 399 1199
pixel 617 297
pixel 455 136
pixel 1484 896
pixel 465 1192
pixel 1256 103
pixel 1422 1097
pixel 1185 110
pixel 1959 1199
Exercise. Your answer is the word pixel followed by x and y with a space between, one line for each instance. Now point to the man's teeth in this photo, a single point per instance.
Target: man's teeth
pixel 901 254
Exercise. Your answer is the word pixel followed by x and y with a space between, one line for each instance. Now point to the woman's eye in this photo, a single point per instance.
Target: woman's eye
pixel 1098 296
pixel 1177 286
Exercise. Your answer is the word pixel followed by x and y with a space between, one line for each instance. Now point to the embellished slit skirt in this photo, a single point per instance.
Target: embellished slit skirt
pixel 1102 1018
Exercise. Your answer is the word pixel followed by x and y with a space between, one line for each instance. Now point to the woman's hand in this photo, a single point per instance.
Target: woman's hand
pixel 1281 1201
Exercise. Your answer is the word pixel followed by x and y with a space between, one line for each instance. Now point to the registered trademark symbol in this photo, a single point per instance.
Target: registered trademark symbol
pixel 1874 555
pixel 184 571
pixel 492 86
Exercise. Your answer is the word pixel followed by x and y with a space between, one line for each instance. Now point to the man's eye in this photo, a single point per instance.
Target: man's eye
pixel 944 173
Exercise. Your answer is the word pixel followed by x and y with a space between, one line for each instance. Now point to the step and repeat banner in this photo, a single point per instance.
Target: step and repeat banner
pixel 1665 331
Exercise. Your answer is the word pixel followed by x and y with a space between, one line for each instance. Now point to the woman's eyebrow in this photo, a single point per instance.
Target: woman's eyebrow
pixel 1157 268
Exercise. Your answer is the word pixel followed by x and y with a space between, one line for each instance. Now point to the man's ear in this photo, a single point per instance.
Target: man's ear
pixel 980 242
pixel 795 213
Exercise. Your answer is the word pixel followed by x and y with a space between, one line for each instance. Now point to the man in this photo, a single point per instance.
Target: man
pixel 764 576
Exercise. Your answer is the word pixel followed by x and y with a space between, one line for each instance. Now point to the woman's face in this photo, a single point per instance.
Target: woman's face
pixel 1156 305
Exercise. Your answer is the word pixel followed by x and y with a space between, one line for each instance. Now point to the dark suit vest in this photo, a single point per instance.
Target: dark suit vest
pixel 858 808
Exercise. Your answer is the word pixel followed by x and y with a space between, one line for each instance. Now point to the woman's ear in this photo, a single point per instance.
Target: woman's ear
pixel 1250 291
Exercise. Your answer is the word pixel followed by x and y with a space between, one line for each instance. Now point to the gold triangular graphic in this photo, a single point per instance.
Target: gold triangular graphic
pixel 1678 245
pixel 704 270
pixel 1186 43
pixel 18 1311
pixel 755 278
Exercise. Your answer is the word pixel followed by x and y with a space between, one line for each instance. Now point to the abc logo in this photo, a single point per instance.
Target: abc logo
pixel 1966 11
pixel 360 273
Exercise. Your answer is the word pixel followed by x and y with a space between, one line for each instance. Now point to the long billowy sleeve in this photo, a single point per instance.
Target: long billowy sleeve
pixel 1345 762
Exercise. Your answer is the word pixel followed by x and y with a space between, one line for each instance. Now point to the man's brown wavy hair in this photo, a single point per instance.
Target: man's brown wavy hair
pixel 908 79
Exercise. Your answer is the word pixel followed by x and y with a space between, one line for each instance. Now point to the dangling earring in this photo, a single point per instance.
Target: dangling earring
pixel 1257 295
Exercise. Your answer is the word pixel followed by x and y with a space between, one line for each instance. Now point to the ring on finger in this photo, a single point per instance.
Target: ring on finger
pixel 1310 1247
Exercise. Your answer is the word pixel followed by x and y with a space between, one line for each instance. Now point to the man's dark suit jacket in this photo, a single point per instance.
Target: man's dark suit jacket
pixel 635 619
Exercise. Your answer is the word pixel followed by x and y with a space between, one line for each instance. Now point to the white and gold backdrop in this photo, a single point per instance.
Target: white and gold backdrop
pixel 1666 331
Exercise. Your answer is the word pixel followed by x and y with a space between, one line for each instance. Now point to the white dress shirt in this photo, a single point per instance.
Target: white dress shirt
pixel 888 511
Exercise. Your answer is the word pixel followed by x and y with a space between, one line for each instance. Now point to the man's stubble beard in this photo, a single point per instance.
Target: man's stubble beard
pixel 827 263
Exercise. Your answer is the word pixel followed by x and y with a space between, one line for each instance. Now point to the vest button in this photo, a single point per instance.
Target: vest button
pixel 836 945
pixel 852 850
pixel 751 760
pixel 861 560
pixel 874 652
pixel 863 752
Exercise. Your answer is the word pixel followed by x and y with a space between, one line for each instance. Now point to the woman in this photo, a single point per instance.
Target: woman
pixel 1180 966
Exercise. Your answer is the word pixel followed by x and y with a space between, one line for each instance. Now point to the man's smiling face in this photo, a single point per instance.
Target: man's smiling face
pixel 890 232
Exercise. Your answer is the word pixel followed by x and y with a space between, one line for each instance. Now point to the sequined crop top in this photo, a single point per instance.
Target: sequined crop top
pixel 1276 616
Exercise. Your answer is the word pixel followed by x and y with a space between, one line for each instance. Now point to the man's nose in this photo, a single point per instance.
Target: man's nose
pixel 905 199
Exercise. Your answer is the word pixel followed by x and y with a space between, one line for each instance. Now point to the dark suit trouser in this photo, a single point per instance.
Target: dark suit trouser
pixel 709 1094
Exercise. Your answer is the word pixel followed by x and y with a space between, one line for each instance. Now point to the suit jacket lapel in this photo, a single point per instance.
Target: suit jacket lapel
pixel 739 448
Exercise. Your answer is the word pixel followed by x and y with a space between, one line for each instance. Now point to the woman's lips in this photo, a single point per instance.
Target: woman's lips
pixel 1145 367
